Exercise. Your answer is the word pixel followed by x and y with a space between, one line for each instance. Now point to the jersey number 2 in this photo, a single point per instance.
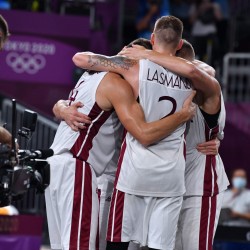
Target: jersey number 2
pixel 170 99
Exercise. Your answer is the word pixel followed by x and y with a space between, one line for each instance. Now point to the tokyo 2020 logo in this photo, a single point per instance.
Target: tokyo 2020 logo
pixel 25 62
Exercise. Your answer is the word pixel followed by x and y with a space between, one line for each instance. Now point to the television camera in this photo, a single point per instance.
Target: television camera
pixel 22 169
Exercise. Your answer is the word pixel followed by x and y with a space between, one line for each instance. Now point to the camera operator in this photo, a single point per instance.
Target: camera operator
pixel 5 136
pixel 4 31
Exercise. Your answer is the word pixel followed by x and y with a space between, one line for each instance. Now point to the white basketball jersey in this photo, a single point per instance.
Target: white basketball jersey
pixel 204 175
pixel 156 170
pixel 98 144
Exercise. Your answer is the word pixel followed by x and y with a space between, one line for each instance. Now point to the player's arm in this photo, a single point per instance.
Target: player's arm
pixel 124 66
pixel 70 114
pixel 132 117
pixel 205 67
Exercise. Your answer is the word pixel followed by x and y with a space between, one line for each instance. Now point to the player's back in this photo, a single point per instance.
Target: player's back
pixel 156 170
pixel 204 175
pixel 99 143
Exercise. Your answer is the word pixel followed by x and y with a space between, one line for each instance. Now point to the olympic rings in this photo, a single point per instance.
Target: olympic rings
pixel 30 64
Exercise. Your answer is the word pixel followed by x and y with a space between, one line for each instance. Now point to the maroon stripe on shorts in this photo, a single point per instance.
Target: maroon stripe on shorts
pixel 76 205
pixel 212 222
pixel 207 187
pixel 86 209
pixel 210 186
pixel 119 216
pixel 117 202
pixel 204 223
pixel 185 147
pixel 114 232
pixel 213 161
pixel 98 228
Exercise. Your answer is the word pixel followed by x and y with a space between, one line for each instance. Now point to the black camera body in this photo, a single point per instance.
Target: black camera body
pixel 25 169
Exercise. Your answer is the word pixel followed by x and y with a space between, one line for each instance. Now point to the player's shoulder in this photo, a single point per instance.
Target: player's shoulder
pixel 113 79
pixel 114 76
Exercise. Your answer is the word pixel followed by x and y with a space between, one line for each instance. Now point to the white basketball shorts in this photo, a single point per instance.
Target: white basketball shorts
pixel 106 191
pixel 72 204
pixel 149 221
pixel 106 185
pixel 198 222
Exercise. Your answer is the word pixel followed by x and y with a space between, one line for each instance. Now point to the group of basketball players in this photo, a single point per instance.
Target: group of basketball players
pixel 135 160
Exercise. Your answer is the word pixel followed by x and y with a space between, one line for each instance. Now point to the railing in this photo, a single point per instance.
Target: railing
pixel 42 139
pixel 236 77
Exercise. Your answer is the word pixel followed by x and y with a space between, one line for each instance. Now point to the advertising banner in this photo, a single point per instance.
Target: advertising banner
pixel 36 60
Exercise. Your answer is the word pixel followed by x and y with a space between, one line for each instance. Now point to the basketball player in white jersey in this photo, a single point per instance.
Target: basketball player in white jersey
pixel 205 176
pixel 135 162
pixel 105 182
pixel 71 199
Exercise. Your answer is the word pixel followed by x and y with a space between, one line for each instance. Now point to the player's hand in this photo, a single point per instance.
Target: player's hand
pixel 209 147
pixel 189 108
pixel 122 51
pixel 137 52
pixel 75 119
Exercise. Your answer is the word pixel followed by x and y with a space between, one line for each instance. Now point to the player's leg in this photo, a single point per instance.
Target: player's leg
pixel 105 200
pixel 178 239
pixel 125 220
pixel 198 222
pixel 187 236
pixel 219 201
pixel 51 199
pixel 163 223
pixel 79 208
pixel 210 210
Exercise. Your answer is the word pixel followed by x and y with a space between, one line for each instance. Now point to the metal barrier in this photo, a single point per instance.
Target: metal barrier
pixel 42 138
pixel 236 77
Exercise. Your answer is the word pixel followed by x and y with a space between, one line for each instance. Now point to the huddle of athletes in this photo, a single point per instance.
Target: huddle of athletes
pixel 135 160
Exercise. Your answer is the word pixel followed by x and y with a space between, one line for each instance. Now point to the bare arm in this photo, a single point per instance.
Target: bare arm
pixel 70 114
pixel 124 66
pixel 207 68
pixel 132 117
pixel 5 136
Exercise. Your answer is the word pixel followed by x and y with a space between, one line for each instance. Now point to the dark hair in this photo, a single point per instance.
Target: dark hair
pixel 4 27
pixel 141 41
pixel 186 51
pixel 168 30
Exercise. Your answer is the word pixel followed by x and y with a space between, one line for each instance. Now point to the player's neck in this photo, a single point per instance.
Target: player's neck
pixel 165 51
